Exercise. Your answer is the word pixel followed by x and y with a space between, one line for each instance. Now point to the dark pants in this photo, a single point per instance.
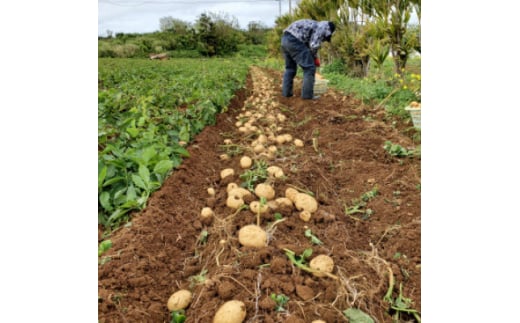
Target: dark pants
pixel 296 53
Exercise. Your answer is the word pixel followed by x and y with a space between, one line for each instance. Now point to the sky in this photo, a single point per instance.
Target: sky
pixel 142 16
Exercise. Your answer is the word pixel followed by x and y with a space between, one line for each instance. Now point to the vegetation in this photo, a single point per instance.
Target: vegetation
pixel 146 113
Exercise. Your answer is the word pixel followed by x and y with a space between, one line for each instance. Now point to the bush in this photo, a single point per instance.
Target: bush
pixel 337 66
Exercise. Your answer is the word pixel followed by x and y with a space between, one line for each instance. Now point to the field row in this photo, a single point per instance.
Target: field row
pixel 147 112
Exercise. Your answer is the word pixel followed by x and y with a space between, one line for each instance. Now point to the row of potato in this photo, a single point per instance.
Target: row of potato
pixel 261 121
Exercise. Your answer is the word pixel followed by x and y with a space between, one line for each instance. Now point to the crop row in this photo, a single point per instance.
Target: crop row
pixel 147 111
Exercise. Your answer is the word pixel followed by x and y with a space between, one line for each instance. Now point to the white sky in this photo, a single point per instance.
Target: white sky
pixel 141 16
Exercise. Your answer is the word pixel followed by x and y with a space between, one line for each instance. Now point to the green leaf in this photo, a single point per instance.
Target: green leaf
pixel 113 180
pixel 163 167
pixel 131 194
pixel 133 132
pixel 138 181
pixel 101 176
pixel 355 315
pixel 307 253
pixel 148 154
pixel 104 199
pixel 144 173
pixel 181 151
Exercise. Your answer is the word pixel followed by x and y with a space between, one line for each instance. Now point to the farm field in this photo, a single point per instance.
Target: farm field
pixel 356 164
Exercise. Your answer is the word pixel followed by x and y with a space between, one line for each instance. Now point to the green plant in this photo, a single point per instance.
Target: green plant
pixel 280 300
pixel 198 279
pixel 314 239
pixel 178 316
pixel 257 173
pixel 104 246
pixel 355 315
pixel 360 204
pixel 397 150
pixel 278 216
pixel 400 304
pixel 203 237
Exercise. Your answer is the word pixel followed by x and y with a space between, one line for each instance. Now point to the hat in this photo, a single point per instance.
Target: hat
pixel 332 27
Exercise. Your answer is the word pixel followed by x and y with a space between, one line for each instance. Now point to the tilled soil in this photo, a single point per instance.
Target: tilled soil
pixel 368 218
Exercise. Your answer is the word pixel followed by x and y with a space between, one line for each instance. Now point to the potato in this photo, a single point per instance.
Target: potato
pixel 259 148
pixel 234 202
pixel 211 191
pixel 305 216
pixel 262 139
pixel 305 202
pixel 264 190
pixel 284 201
pixel 228 141
pixel 280 139
pixel 318 321
pixel 227 172
pixel 322 263
pixel 298 143
pixel 239 192
pixel 231 186
pixel 291 193
pixel 252 236
pixel 224 157
pixel 179 300
pixel 288 137
pixel 272 170
pixel 246 162
pixel 257 207
pixel 206 212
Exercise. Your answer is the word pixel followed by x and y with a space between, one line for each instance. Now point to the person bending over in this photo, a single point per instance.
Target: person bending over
pixel 300 44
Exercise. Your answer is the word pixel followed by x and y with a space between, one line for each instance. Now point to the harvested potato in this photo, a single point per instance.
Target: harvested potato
pixel 227 172
pixel 280 139
pixel 179 300
pixel 305 202
pixel 252 236
pixel 323 263
pixel 298 143
pixel 239 192
pixel 259 148
pixel 246 162
pixel 264 190
pixel 243 129
pixel 206 212
pixel 234 202
pixel 262 139
pixel 224 157
pixel 288 137
pixel 231 186
pixel 228 141
pixel 291 193
pixel 211 191
pixel 318 321
pixel 271 170
pixel 272 149
pixel 284 201
pixel 305 216
pixel 257 207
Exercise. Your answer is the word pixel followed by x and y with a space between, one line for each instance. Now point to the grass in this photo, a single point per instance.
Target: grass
pixel 382 88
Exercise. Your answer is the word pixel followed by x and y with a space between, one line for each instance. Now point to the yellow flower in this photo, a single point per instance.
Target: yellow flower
pixel 405 87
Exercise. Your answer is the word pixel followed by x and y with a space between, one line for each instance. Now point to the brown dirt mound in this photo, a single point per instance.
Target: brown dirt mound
pixel 342 159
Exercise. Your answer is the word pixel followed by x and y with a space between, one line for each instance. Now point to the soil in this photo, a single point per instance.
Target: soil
pixel 161 250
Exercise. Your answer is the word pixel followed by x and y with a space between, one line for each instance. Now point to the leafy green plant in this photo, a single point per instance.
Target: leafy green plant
pixel 198 279
pixel 257 173
pixel 355 315
pixel 400 304
pixel 314 239
pixel 397 150
pixel 104 246
pixel 359 205
pixel 280 300
pixel 177 316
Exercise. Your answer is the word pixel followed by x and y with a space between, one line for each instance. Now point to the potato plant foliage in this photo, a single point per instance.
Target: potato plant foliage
pixel 146 109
